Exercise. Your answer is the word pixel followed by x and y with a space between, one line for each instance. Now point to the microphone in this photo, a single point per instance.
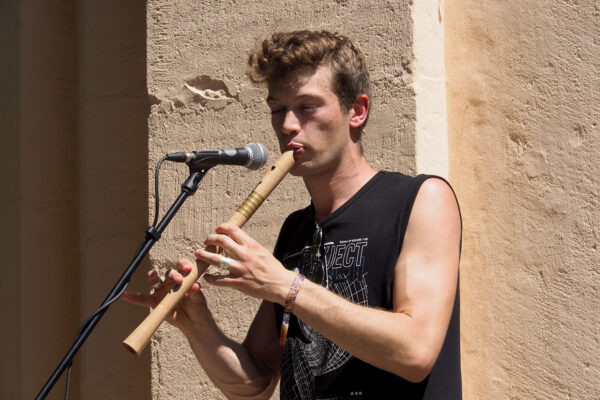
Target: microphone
pixel 252 156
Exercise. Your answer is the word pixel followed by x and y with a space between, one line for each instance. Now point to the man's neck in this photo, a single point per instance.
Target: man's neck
pixel 330 190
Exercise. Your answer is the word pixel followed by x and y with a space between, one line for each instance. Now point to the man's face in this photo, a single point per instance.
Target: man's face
pixel 308 119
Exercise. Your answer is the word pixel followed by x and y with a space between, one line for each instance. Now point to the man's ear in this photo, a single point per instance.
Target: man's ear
pixel 359 111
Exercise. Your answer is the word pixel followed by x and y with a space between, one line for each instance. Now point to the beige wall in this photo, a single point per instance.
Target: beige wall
pixel 524 108
pixel 73 154
pixel 40 237
pixel 10 341
pixel 523 112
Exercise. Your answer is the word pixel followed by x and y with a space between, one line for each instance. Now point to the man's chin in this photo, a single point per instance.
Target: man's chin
pixel 296 172
pixel 299 170
pixel 304 170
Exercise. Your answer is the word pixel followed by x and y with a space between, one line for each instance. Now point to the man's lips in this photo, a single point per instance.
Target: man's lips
pixel 296 148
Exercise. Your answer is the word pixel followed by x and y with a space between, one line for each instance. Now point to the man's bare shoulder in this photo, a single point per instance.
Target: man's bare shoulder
pixel 435 222
pixel 436 199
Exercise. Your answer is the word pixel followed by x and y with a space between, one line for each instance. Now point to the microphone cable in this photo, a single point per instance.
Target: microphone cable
pixel 156 196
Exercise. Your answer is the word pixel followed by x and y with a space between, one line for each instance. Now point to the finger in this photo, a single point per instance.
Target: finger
pixel 224 242
pixel 218 260
pixel 140 299
pixel 184 266
pixel 208 256
pixel 195 295
pixel 235 233
pixel 195 287
pixel 221 280
pixel 173 277
pixel 153 277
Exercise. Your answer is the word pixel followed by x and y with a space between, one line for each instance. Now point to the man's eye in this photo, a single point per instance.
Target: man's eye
pixel 276 110
pixel 309 108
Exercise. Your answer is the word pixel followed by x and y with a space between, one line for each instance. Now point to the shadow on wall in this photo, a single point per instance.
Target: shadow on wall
pixel 79 105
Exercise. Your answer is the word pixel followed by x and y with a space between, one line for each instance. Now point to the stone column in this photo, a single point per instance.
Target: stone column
pixel 523 105
pixel 73 200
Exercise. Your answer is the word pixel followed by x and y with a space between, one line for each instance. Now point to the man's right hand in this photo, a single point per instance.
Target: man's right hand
pixel 190 310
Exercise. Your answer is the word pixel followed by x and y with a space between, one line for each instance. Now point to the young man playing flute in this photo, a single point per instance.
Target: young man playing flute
pixel 360 294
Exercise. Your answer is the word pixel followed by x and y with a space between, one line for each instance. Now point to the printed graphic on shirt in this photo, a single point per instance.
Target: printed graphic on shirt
pixel 313 355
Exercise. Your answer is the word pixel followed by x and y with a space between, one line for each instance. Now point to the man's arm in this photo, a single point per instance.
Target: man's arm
pixel 249 370
pixel 405 341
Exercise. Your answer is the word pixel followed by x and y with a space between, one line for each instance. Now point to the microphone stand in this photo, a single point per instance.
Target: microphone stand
pixel 188 188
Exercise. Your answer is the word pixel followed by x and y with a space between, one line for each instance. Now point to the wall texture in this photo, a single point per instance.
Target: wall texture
pixel 429 83
pixel 42 229
pixel 102 89
pixel 524 109
pixel 112 140
pixel 10 307
pixel 73 163
pixel 199 49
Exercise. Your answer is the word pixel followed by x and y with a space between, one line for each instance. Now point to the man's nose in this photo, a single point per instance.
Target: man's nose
pixel 291 123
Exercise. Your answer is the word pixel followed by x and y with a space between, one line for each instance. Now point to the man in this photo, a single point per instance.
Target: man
pixel 368 272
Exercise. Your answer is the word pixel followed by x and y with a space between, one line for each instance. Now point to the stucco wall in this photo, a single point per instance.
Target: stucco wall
pixel 112 137
pixel 9 199
pixel 40 236
pixel 204 44
pixel 73 163
pixel 524 109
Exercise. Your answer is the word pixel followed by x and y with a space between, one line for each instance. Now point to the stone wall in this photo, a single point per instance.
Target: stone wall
pixel 73 204
pixel 94 93
pixel 524 109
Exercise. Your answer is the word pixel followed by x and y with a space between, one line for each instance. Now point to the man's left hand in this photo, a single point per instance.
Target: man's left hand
pixel 253 270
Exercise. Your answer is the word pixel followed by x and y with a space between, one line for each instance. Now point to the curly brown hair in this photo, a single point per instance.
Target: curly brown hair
pixel 285 53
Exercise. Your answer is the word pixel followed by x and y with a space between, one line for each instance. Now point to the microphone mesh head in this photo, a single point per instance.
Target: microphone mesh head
pixel 258 155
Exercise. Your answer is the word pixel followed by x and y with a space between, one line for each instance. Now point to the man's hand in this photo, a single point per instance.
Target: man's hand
pixel 253 269
pixel 191 309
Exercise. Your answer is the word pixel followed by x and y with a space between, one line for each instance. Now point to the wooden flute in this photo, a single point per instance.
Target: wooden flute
pixel 139 338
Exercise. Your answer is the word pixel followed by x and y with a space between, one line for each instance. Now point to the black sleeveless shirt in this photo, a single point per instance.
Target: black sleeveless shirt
pixel 361 243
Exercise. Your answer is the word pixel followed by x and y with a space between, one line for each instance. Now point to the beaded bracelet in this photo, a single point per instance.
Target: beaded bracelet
pixel 285 322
